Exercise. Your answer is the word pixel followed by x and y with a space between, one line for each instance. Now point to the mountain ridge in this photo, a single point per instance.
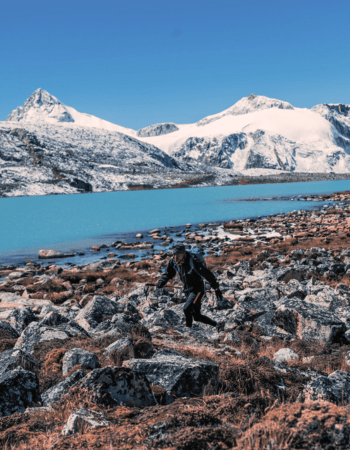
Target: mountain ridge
pixel 48 147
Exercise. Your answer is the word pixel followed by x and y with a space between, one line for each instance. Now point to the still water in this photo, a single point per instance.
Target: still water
pixel 75 222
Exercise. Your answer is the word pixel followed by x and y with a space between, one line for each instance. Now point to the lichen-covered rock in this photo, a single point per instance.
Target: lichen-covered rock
pixel 177 374
pixel 118 386
pixel 288 273
pixel 7 327
pixel 259 299
pixel 20 318
pixel 54 394
pixel 10 359
pixel 164 318
pixel 35 333
pixel 123 345
pixel 308 321
pixel 82 419
pixel 95 311
pixel 78 356
pixel 335 388
pixel 19 389
pixel 285 355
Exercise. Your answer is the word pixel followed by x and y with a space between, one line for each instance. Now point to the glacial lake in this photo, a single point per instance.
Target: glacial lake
pixel 73 223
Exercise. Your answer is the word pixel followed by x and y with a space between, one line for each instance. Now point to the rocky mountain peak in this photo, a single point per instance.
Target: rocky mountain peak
pixel 41 107
pixel 248 105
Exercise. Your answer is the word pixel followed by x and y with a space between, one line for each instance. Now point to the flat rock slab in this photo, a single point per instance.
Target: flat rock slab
pixel 178 375
pixel 19 389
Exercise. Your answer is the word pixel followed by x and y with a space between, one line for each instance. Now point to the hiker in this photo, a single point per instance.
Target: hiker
pixel 191 272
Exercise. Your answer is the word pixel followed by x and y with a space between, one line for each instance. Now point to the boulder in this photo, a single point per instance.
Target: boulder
pixel 308 321
pixel 7 327
pixel 54 394
pixel 10 359
pixel 258 300
pixel 335 388
pixel 98 308
pixel 19 389
pixel 112 386
pixel 123 345
pixel 82 419
pixel 20 318
pixel 288 273
pixel 36 333
pixel 48 254
pixel 78 356
pixel 165 318
pixel 285 355
pixel 265 322
pixel 178 375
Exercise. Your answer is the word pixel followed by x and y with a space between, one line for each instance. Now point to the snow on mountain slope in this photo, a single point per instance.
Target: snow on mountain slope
pixel 246 105
pixel 272 136
pixel 339 116
pixel 42 107
pixel 65 149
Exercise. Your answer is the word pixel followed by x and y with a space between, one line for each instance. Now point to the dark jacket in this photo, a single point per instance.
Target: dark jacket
pixel 191 278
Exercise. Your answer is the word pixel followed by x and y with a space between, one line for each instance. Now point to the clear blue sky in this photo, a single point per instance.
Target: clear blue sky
pixel 139 62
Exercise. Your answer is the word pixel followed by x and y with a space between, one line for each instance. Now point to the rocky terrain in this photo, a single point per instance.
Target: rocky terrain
pixel 93 358
pixel 47 147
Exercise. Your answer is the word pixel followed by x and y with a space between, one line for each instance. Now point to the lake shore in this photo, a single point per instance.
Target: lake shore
pixel 281 358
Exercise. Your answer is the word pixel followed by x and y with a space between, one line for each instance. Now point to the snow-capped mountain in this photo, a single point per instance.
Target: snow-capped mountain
pixel 48 147
pixel 42 107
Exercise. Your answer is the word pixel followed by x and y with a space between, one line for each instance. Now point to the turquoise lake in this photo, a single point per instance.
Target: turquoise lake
pixel 75 222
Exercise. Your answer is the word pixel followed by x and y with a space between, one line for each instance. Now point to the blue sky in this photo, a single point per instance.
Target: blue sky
pixel 141 62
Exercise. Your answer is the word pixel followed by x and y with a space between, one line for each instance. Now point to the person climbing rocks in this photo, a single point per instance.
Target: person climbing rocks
pixel 192 271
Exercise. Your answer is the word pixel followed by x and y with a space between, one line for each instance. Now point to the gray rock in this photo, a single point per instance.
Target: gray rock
pixel 20 318
pixel 177 374
pixel 82 419
pixel 308 321
pixel 10 359
pixel 165 318
pixel 34 334
pixel 48 254
pixel 19 389
pixel 285 355
pixel 258 300
pixel 98 308
pixel 244 269
pixel 54 394
pixel 7 327
pixel 289 273
pixel 293 289
pixel 78 356
pixel 347 358
pixel 123 345
pixel 157 129
pixel 118 386
pixel 335 388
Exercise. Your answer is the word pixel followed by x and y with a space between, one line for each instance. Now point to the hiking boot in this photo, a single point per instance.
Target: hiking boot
pixel 220 326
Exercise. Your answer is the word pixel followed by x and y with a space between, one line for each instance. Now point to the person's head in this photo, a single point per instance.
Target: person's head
pixel 179 253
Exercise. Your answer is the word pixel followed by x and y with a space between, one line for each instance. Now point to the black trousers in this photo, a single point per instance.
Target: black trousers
pixel 193 310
